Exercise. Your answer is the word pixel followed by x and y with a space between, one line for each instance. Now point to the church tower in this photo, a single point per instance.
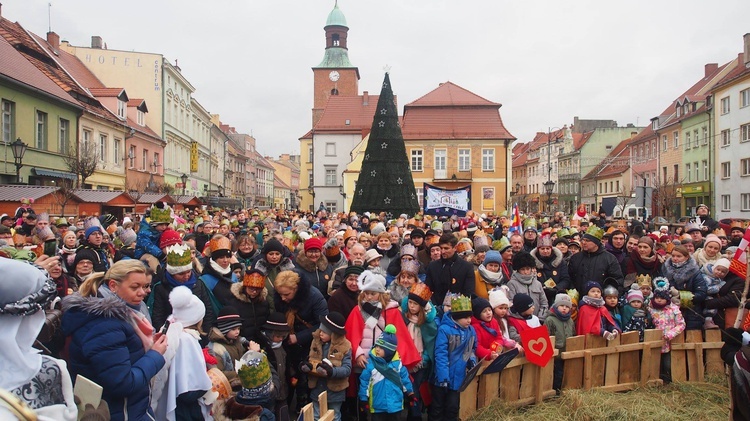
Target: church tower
pixel 335 75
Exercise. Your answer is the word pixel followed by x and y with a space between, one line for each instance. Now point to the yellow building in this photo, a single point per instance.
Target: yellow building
pixel 456 138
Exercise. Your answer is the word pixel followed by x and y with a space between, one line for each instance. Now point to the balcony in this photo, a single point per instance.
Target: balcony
pixel 452 176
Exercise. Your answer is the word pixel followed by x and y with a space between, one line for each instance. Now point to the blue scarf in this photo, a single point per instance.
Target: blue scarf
pixel 562 317
pixel 487 327
pixel 190 283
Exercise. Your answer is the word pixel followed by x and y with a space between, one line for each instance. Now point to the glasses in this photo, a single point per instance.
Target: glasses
pixel 313 251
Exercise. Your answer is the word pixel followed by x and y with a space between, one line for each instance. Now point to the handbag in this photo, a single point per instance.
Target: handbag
pixel 52 323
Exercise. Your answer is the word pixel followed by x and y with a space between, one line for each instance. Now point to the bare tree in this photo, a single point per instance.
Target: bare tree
pixel 64 193
pixel 165 188
pixel 136 189
pixel 665 197
pixel 624 196
pixel 82 161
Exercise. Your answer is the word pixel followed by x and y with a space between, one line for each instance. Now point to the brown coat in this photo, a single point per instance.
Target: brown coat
pixel 340 346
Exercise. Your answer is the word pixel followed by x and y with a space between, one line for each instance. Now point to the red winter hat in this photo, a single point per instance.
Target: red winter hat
pixel 169 238
pixel 314 243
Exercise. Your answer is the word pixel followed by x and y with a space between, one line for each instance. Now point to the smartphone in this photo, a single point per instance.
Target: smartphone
pixel 50 248
pixel 164 328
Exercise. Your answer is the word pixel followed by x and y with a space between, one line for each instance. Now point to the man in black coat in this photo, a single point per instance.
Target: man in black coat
pixel 593 263
pixel 450 273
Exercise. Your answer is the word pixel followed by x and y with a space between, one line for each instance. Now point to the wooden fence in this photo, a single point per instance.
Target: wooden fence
pixel 591 362
pixel 308 413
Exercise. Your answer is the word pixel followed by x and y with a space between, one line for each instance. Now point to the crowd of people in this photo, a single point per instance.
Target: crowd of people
pixel 251 314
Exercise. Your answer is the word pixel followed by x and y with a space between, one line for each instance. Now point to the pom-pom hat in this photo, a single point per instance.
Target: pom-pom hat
pixel 168 238
pixel 186 307
pixel 388 342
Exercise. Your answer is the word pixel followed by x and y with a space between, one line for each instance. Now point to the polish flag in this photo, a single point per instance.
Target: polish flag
pixel 739 262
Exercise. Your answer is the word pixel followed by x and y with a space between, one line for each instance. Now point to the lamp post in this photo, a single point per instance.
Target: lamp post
pixel 514 192
pixel 343 194
pixel 19 150
pixel 184 178
pixel 311 191
pixel 549 186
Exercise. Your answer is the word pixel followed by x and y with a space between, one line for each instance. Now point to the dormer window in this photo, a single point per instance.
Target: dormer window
pixel 141 118
pixel 121 108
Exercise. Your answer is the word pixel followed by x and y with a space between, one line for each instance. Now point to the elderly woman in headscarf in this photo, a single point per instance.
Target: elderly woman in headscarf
pixel 42 382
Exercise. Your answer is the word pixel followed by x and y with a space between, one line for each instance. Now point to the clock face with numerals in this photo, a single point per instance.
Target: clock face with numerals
pixel 334 76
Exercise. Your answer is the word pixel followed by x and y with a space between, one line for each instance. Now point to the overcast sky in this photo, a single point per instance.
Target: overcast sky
pixel 546 61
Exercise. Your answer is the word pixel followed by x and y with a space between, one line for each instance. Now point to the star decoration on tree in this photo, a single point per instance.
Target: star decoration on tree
pixel 383 111
pixel 367 157
pixel 381 124
pixel 383 145
pixel 387 200
pixel 360 192
pixel 399 180
pixel 373 173
pixel 385 84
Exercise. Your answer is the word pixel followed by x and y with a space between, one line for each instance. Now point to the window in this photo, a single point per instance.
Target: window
pixel 310 154
pixel 420 196
pixel 745 201
pixel 310 181
pixel 744 98
pixel 440 162
pixel 695 136
pixel 8 110
pixel 103 147
pixel 704 139
pixel 488 160
pixel 141 118
pixel 331 176
pixel 676 137
pixel 116 152
pixel 157 164
pixel 121 108
pixel 653 149
pixel 664 143
pixel 726 202
pixel 131 156
pixel 697 171
pixel 330 149
pixel 617 186
pixel 676 173
pixel 664 174
pixel 687 171
pixel 41 130
pixel 726 170
pixel 688 140
pixel 705 170
pixel 725 140
pixel 745 167
pixel 725 105
pixel 464 159
pixel 416 159
pixel 144 159
pixel 744 132
pixel 64 135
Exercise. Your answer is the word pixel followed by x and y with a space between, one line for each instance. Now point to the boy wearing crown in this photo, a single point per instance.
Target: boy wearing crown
pixel 149 234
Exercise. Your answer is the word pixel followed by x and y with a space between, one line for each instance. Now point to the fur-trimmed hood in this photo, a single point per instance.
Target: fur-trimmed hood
pixel 308 265
pixel 78 310
pixel 238 291
pixel 264 267
pixel 557 258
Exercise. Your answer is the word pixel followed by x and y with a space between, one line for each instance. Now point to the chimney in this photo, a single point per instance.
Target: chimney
pixel 365 98
pixel 633 134
pixel 746 38
pixel 1 9
pixel 53 40
pixel 96 42
pixel 710 68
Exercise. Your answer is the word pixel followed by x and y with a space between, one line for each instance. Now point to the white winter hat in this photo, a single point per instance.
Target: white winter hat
pixel 186 307
pixel 723 262
pixel 369 281
pixel 377 229
pixel 498 297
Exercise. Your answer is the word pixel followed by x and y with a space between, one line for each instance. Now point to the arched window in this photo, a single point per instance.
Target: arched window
pixel 335 40
pixel 334 91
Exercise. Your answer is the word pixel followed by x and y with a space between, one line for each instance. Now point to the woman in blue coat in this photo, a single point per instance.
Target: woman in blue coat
pixel 111 341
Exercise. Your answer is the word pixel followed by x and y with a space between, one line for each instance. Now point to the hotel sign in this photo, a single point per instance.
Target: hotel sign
pixel 194 157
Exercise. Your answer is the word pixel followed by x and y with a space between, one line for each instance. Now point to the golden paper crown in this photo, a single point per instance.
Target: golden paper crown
pixel 254 279
pixel 643 280
pixel 421 290
pixel 219 242
pixel 460 303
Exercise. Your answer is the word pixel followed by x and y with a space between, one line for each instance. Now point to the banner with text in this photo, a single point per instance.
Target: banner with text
pixel 194 157
pixel 448 202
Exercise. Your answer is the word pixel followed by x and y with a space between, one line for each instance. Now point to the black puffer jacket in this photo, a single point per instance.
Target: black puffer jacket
pixel 254 313
pixel 161 308
pixel 553 267
pixel 317 273
pixel 596 266
pixel 308 305
pixel 440 276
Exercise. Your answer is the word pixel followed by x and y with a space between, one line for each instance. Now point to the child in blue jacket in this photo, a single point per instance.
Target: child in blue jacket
pixel 149 233
pixel 455 352
pixel 385 380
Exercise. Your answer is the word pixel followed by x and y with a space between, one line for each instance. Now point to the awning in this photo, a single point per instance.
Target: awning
pixel 54 174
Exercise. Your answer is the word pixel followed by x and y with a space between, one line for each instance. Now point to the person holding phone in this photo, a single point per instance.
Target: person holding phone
pixel 111 341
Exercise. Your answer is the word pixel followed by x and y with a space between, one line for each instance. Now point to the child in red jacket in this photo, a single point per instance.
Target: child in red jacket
pixel 490 339
pixel 593 316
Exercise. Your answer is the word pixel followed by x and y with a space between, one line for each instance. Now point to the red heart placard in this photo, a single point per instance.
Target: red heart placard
pixel 537 345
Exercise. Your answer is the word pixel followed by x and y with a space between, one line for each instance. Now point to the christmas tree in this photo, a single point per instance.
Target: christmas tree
pixel 385 183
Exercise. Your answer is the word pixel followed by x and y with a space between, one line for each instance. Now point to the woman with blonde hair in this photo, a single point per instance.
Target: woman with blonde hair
pixel 112 343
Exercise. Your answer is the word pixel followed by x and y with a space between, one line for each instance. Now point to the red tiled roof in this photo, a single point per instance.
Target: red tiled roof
pixel 15 66
pixel 106 92
pixel 580 139
pixel 262 161
pixel 340 109
pixel 615 163
pixel 452 112
pixel 76 68
pixel 139 103
pixel 739 71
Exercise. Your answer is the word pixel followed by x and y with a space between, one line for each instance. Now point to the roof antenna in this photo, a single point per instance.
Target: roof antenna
pixel 49 16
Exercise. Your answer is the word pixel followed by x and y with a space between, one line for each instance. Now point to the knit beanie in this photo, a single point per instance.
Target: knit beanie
pixel 186 307
pixel 107 219
pixel 91 230
pixel 353 270
pixel 314 243
pixel 589 285
pixel 128 237
pixel 647 240
pixel 521 303
pixel 228 319
pixel 723 262
pixel 85 254
pixel 493 256
pixel 273 245
pixel 523 259
pixel 635 295
pixel 255 376
pixel 369 281
pixel 478 305
pixel 498 297
pixel 388 342
pixel 712 238
pixel 562 300
pixel 168 238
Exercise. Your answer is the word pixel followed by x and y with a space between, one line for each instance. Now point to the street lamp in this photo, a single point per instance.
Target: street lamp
pixel 343 194
pixel 19 150
pixel 184 178
pixel 549 186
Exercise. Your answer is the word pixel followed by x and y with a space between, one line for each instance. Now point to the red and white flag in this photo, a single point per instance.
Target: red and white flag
pixel 739 262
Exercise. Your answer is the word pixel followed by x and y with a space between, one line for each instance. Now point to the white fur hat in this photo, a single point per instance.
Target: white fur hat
pixel 369 281
pixel 186 307
pixel 498 297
